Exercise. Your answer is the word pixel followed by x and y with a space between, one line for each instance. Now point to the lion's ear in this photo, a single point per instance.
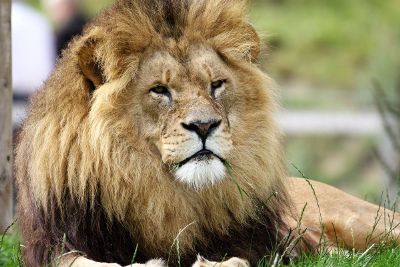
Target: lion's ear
pixel 242 43
pixel 255 47
pixel 90 64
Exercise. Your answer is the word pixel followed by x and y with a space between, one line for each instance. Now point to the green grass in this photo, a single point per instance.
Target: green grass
pixel 382 256
pixel 10 251
pixel 375 256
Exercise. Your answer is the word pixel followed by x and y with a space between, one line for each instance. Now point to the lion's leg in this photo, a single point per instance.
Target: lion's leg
pixel 81 261
pixel 347 221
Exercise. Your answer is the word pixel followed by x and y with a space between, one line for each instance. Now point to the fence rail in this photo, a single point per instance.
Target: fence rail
pixel 330 123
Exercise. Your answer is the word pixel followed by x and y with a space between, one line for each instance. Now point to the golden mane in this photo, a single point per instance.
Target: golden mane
pixel 130 27
pixel 77 144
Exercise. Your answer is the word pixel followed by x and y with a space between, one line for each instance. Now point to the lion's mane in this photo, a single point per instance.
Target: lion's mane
pixel 89 182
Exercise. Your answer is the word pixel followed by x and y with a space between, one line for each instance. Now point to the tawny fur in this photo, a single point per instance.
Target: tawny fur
pixel 92 138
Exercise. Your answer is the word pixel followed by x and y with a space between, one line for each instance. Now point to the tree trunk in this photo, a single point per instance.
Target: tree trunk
pixel 6 185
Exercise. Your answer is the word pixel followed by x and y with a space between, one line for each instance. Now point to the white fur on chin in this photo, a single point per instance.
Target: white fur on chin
pixel 201 173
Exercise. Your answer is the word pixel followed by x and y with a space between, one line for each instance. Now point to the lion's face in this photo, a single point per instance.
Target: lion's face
pixel 195 110
pixel 187 117
pixel 186 94
pixel 154 100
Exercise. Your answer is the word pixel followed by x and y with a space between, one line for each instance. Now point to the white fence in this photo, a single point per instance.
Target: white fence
pixel 330 123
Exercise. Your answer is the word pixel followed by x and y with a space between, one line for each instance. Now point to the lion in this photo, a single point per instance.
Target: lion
pixel 154 141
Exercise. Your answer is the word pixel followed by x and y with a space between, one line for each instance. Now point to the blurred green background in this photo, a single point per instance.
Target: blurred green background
pixel 324 55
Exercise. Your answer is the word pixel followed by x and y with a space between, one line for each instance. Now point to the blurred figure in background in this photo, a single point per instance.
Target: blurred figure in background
pixel 68 19
pixel 33 50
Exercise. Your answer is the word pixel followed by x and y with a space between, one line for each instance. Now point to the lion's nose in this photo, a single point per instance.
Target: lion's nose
pixel 202 129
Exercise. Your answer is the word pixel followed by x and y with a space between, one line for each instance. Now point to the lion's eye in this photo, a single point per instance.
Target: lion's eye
pixel 215 85
pixel 160 90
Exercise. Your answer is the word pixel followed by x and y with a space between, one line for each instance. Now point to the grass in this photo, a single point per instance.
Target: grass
pixel 375 256
pixel 382 256
pixel 10 255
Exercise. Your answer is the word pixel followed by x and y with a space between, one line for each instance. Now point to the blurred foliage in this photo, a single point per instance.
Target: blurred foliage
pixel 389 110
pixel 346 162
pixel 92 7
pixel 329 43
pixel 35 3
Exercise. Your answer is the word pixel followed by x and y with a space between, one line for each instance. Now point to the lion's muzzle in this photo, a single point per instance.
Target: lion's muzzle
pixel 197 146
pixel 202 129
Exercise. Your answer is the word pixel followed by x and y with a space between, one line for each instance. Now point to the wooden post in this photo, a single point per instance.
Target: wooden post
pixel 6 185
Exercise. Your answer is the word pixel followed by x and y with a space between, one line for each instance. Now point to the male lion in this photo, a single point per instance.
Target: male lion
pixel 155 138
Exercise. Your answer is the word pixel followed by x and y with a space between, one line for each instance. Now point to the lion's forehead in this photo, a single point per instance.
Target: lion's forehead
pixel 199 66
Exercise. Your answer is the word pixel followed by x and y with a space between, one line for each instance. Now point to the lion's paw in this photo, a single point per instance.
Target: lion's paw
pixel 155 263
pixel 103 264
pixel 150 263
pixel 232 262
pixel 81 261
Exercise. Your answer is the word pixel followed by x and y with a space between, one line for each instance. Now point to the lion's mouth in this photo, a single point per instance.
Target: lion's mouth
pixel 203 154
pixel 201 169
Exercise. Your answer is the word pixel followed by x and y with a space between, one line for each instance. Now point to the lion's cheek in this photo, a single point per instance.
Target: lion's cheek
pixel 174 150
pixel 221 144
